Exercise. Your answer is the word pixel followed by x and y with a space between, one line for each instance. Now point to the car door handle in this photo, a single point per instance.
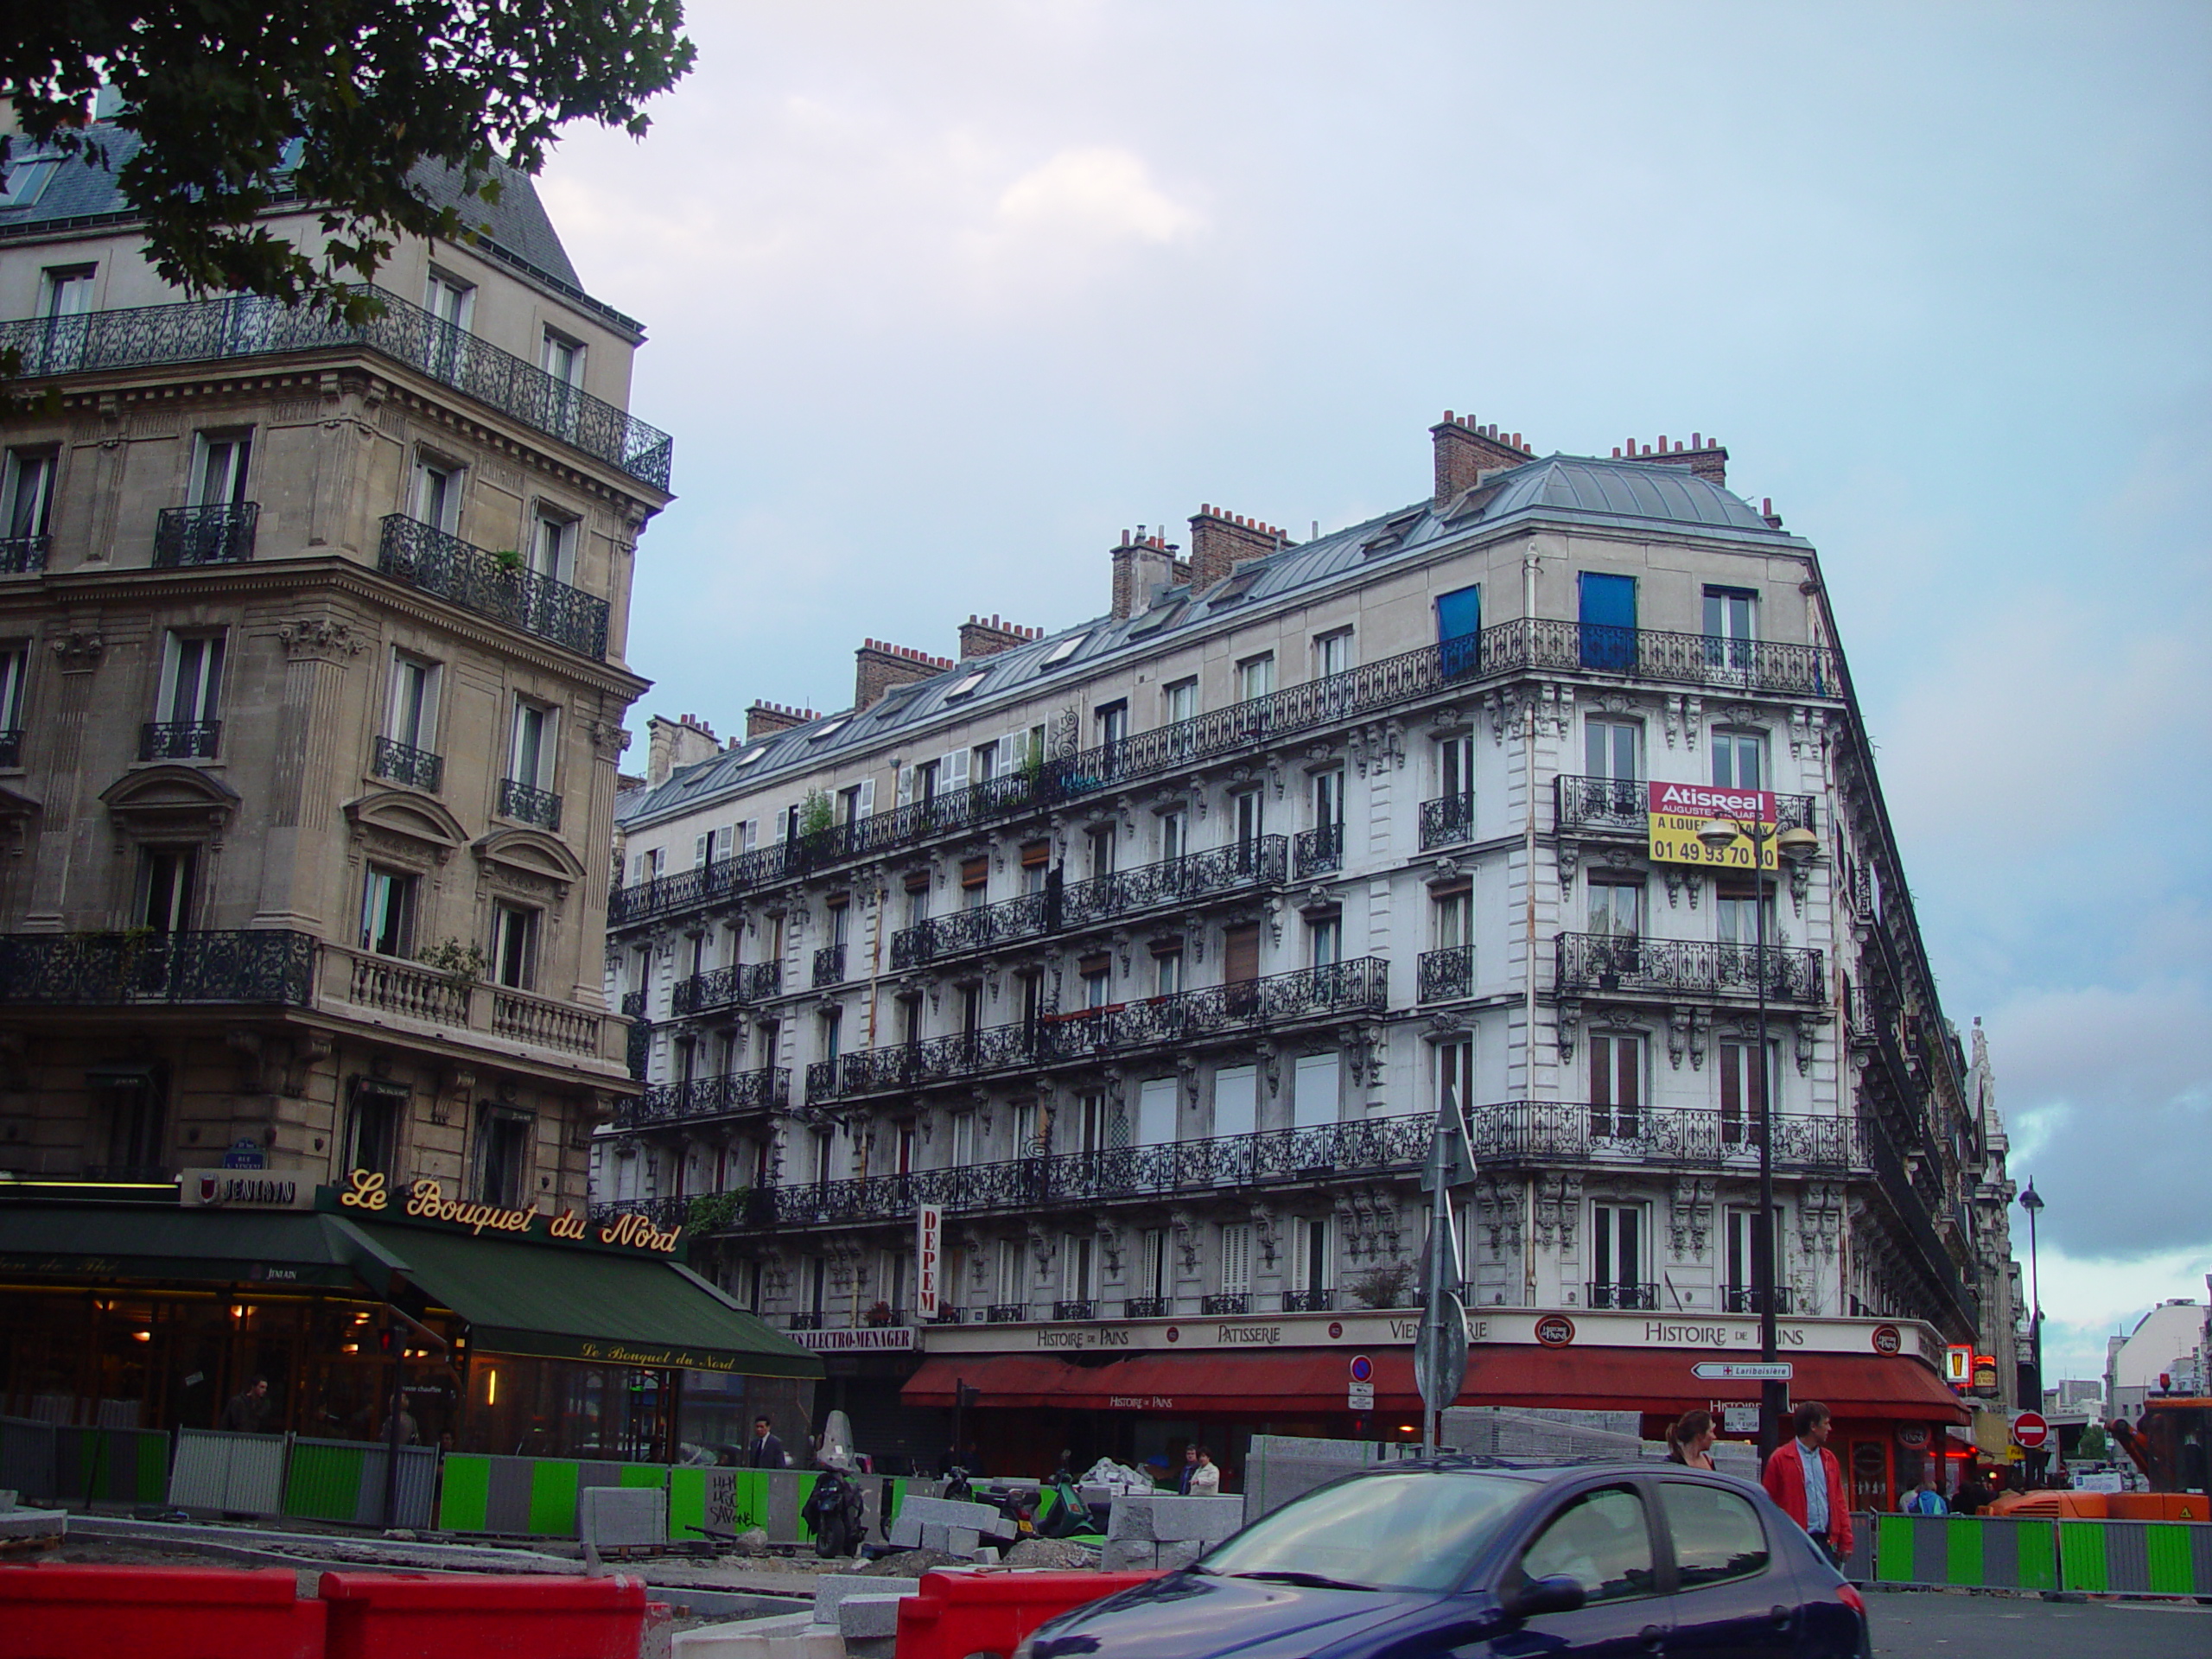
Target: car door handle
pixel 1653 1636
pixel 1779 1614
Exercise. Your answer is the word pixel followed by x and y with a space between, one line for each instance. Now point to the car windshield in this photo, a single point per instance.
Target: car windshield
pixel 1415 1530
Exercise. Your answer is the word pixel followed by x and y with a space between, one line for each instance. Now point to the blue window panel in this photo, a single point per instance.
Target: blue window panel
pixel 1459 630
pixel 1608 622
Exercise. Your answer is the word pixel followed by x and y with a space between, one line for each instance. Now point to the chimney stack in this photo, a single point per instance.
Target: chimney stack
pixel 981 639
pixel 1706 461
pixel 878 666
pixel 671 744
pixel 1222 540
pixel 766 719
pixel 1465 451
pixel 1141 563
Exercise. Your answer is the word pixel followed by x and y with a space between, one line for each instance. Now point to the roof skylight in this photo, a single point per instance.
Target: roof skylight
pixel 831 730
pixel 966 683
pixel 1065 650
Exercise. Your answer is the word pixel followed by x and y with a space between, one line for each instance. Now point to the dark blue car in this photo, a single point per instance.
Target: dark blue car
pixel 1474 1560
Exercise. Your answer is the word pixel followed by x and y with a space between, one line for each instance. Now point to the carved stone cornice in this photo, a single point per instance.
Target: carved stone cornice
pixel 321 638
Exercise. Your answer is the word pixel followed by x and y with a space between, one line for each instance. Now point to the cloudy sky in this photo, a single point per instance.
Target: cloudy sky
pixel 943 296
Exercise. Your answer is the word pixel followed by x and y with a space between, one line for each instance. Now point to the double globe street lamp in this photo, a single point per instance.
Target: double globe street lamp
pixel 1796 844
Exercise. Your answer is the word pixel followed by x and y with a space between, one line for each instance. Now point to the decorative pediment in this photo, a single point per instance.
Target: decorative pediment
pixel 170 800
pixel 531 852
pixel 410 813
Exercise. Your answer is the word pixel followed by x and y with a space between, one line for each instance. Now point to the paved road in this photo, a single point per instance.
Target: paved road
pixel 1933 1625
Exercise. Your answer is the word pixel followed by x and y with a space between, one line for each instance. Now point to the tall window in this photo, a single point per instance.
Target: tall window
pixel 1325 941
pixel 26 496
pixel 438 494
pixel 129 1118
pixel 1313 1262
pixel 1740 1086
pixel 1103 840
pixel 1167 972
pixel 219 473
pixel 1332 653
pixel 388 912
pixel 1179 700
pixel 833 1025
pixel 1251 815
pixel 1236 1258
pixel 1730 615
pixel 1613 748
pixel 192 679
pixel 514 946
pixel 533 755
pixel 1616 1247
pixel 69 290
pixel 1455 1072
pixel 1737 760
pixel 983 761
pixel 1113 722
pixel 1742 1258
pixel 1616 1083
pixel 1455 766
pixel 373 1126
pixel 414 717
pixel 15 669
pixel 1236 1100
pixel 963 1140
pixel 1175 835
pixel 1453 912
pixel 1079 1278
pixel 450 303
pixel 1736 909
pixel 1329 805
pixel 553 547
pixel 1152 1265
pixel 1255 677
pixel 1616 907
pixel 1013 1273
pixel 974 883
pixel 504 1157
pixel 167 882
pixel 1036 864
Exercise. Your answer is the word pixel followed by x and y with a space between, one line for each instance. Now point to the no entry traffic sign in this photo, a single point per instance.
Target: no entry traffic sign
pixel 2031 1430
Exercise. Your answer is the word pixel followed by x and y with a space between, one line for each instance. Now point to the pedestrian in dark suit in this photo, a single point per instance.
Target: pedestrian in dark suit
pixel 765 1450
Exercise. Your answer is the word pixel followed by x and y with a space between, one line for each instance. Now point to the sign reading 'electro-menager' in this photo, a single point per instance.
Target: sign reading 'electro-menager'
pixel 1678 811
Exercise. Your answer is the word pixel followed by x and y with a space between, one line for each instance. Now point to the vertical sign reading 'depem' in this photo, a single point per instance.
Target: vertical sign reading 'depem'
pixel 1678 811
pixel 929 1258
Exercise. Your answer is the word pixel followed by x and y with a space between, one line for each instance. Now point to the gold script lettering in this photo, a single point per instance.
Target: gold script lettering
pixel 637 1231
pixel 427 1201
pixel 365 1191
pixel 567 1224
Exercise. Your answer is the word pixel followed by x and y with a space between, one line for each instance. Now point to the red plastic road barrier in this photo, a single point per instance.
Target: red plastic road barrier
pixel 160 1612
pixel 959 1614
pixel 477 1616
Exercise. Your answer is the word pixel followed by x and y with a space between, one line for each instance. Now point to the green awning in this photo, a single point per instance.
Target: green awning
pixel 153 1241
pixel 591 1305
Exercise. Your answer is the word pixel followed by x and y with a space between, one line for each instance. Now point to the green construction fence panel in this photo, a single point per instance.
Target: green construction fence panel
pixel 323 1483
pixel 466 1493
pixel 1966 1552
pixel 2136 1558
pixel 553 1483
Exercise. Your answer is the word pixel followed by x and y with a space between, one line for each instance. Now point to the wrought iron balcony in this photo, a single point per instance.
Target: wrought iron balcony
pixel 221 533
pixel 633 1004
pixel 1223 734
pixel 1225 1304
pixel 1621 806
pixel 722 987
pixel 806 1322
pixel 1448 821
pixel 766 1090
pixel 1565 1132
pixel 11 747
pixel 830 965
pixel 1447 973
pixel 638 1050
pixel 1006 1313
pixel 1320 850
pixel 670 1210
pixel 1641 1298
pixel 179 740
pixel 1606 964
pixel 1744 1299
pixel 398 763
pixel 1062 906
pixel 22 555
pixel 947 1313
pixel 253 965
pixel 1071 1312
pixel 528 804
pixel 245 326
pixel 1267 1158
pixel 821 1080
pixel 1145 1308
pixel 1308 1301
pixel 1357 986
pixel 413 552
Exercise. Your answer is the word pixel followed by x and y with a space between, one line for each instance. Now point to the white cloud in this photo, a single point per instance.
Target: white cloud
pixel 2085 1299
pixel 1096 194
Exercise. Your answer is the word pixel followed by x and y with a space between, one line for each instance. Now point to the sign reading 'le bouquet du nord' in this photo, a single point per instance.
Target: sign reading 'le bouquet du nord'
pixel 1678 811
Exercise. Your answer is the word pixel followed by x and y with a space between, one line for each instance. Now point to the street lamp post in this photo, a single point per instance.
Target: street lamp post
pixel 1794 844
pixel 2031 1201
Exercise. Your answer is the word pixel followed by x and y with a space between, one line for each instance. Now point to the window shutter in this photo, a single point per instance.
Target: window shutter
pixel 1006 762
pixel 955 769
pixel 867 796
pixel 701 846
pixel 1236 1258
pixel 905 786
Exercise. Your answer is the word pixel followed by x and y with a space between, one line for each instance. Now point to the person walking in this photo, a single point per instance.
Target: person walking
pixel 765 1450
pixel 1924 1499
pixel 1806 1482
pixel 1190 1469
pixel 1205 1475
pixel 248 1410
pixel 1690 1441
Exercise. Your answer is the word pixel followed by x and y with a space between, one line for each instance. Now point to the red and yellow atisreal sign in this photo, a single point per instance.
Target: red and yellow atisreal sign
pixel 1678 811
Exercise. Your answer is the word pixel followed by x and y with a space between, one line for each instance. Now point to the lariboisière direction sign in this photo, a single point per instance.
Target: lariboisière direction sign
pixel 1745 1370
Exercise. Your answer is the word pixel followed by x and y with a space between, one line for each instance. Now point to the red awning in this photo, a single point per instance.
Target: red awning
pixel 1297 1382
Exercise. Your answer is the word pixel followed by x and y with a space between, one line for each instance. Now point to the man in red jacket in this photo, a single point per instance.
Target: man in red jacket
pixel 1816 1504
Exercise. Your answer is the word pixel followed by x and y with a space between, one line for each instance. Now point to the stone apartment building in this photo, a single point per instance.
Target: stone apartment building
pixel 1125 966
pixel 312 682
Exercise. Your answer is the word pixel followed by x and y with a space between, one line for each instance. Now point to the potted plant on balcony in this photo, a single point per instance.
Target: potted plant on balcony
pixel 1389 1285
pixel 462 964
pixel 878 1315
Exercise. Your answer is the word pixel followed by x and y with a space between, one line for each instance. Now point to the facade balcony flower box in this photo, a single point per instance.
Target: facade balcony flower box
pixel 427 558
pixel 1308 1301
pixel 1075 1312
pixel 1744 1299
pixel 220 533
pixel 384 986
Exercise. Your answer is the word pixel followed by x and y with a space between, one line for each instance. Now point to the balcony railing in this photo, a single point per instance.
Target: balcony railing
pixel 221 533
pixel 244 325
pixel 413 552
pixel 1308 1301
pixel 392 985
pixel 1006 1313
pixel 398 763
pixel 1563 1132
pixel 1605 963
pixel 1447 973
pixel 1320 850
pixel 1145 1308
pixel 673 1210
pixel 633 1005
pixel 721 988
pixel 1448 821
pixel 1223 734
pixel 1744 1299
pixel 829 966
pixel 1079 1178
pixel 179 740
pixel 526 803
pixel 1080 1308
pixel 1228 1304
pixel 768 1089
pixel 806 1322
pixel 948 1314
pixel 1621 806
pixel 22 555
pixel 1259 863
pixel 253 965
pixel 1640 1298
pixel 1357 986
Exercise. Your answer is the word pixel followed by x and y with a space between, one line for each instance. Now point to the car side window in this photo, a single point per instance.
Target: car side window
pixel 1717 1534
pixel 1601 1541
